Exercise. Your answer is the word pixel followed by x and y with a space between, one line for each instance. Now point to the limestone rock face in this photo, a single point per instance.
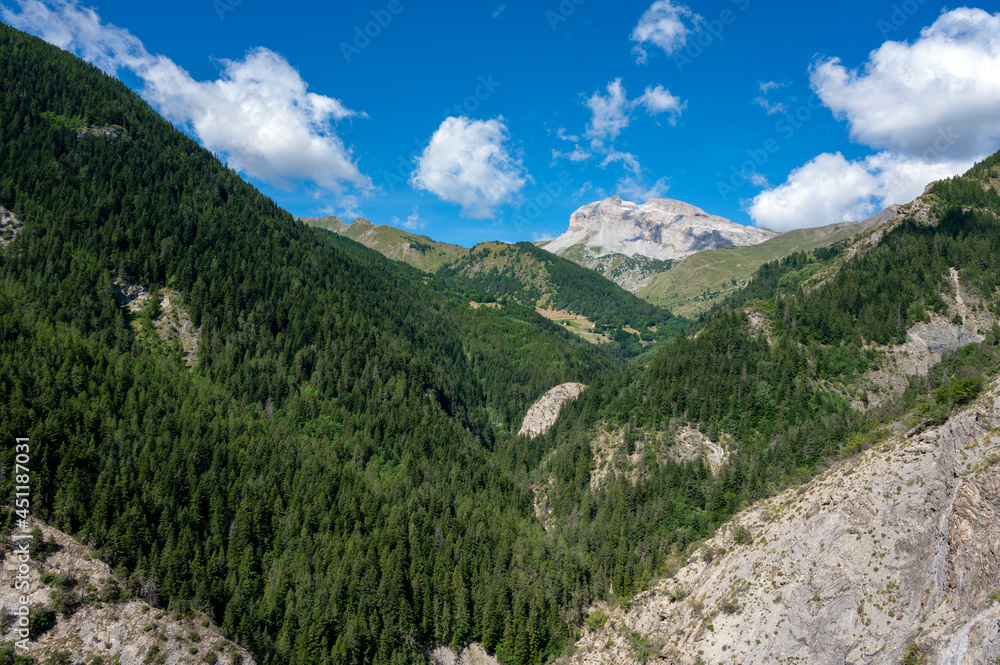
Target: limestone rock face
pixel 10 226
pixel 474 654
pixel 659 229
pixel 544 412
pixel 129 632
pixel 898 546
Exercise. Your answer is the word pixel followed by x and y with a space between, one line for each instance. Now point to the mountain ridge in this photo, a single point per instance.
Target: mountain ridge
pixel 419 251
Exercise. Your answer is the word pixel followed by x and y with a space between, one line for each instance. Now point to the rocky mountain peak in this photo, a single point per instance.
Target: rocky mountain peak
pixel 659 229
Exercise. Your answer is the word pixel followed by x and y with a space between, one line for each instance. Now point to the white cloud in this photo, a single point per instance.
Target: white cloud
pixel 578 154
pixel 929 106
pixel 499 9
pixel 561 133
pixel 71 27
pixel 609 113
pixel 633 185
pixel 907 94
pixel 261 117
pixel 630 161
pixel 662 25
pixel 634 188
pixel 467 162
pixel 771 108
pixel 258 115
pixel 659 100
pixel 412 221
pixel 766 104
pixel 832 189
pixel 612 113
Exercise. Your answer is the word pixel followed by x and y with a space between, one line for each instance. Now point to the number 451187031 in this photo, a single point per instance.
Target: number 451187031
pixel 22 500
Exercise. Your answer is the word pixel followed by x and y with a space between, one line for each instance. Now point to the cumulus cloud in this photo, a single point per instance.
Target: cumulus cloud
pixel 412 221
pixel 609 113
pixel 663 26
pixel 831 188
pixel 612 112
pixel 929 108
pixel 261 117
pixel 659 100
pixel 258 115
pixel 468 162
pixel 906 94
pixel 73 28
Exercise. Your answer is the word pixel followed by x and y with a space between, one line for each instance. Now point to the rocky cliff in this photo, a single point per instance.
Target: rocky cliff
pixel 543 413
pixel 893 556
pixel 10 226
pixel 662 229
pixel 82 613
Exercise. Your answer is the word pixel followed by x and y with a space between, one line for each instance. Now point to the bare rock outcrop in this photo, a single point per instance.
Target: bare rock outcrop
pixel 10 226
pixel 173 323
pixel 112 132
pixel 74 583
pixel 474 654
pixel 659 229
pixel 895 550
pixel 543 413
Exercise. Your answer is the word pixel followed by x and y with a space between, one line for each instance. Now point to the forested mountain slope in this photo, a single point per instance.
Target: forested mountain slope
pixel 526 275
pixel 323 483
pixel 888 556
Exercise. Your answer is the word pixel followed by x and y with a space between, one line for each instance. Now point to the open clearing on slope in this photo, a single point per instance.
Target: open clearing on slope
pixel 581 325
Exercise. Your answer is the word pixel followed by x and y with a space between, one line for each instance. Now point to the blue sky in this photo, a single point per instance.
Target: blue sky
pixel 496 120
